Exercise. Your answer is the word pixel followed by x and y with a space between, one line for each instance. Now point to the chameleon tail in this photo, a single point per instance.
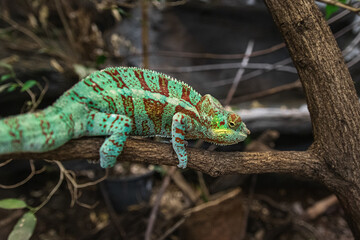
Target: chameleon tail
pixel 35 132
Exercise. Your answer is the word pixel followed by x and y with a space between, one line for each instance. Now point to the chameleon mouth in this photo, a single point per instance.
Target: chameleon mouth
pixel 223 131
pixel 227 141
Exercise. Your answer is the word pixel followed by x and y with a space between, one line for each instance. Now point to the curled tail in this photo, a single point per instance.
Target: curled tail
pixel 36 132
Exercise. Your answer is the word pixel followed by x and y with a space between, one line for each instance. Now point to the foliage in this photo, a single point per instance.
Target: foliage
pixel 331 9
pixel 12 203
pixel 13 83
pixel 25 226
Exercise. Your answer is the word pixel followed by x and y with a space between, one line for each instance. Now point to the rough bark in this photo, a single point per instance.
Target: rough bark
pixel 331 97
pixel 303 164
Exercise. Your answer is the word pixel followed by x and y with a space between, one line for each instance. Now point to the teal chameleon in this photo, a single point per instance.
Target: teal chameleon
pixel 122 101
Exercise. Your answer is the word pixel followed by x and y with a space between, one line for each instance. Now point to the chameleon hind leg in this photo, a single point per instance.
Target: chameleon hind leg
pixel 115 125
pixel 180 124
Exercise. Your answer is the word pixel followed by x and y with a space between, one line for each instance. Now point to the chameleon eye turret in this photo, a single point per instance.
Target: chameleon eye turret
pixel 119 102
pixel 232 124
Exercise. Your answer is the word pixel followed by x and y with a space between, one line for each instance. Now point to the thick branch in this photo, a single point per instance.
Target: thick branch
pixel 213 163
pixel 330 92
pixel 332 101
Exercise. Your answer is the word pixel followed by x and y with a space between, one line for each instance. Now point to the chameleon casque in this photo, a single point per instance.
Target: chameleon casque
pixel 122 101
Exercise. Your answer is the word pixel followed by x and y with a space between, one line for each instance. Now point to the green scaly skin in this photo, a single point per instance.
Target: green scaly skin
pixel 118 102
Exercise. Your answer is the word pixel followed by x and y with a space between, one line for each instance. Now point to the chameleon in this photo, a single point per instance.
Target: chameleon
pixel 118 102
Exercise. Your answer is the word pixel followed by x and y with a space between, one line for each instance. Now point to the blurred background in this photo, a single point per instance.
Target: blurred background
pixel 229 49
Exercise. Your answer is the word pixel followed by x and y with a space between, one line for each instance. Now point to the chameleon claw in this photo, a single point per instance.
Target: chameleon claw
pixel 181 165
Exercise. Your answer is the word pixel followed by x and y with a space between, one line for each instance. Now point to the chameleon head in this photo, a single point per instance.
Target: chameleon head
pixel 227 128
pixel 223 127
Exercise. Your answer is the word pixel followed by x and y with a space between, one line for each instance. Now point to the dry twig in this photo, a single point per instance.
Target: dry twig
pixel 145 32
pixel 24 30
pixel 74 186
pixel 320 207
pixel 154 210
pixel 109 206
pixel 239 73
pixel 53 191
pixel 5 162
pixel 182 184
pixel 32 173
pixel 65 23
pixel 340 4
pixel 11 217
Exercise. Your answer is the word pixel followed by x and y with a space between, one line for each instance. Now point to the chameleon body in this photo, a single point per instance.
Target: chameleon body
pixel 118 102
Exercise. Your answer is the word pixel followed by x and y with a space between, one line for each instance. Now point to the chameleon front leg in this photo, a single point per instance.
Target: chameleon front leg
pixel 180 124
pixel 115 125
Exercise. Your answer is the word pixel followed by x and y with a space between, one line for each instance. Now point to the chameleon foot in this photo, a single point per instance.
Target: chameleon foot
pixel 115 125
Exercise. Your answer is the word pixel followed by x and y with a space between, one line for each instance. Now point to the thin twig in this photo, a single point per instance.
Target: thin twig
pixel 267 92
pixel 223 66
pixel 320 207
pixel 237 55
pixel 202 184
pixel 353 44
pixel 24 30
pixel 5 162
pixel 172 229
pixel 41 96
pixel 65 24
pixel 53 191
pixel 33 172
pixel 74 187
pixel 341 14
pixel 218 56
pixel 88 206
pixel 154 210
pixel 184 186
pixel 28 91
pixel 239 73
pixel 289 86
pixel 275 66
pixel 145 32
pixel 164 4
pixel 110 208
pixel 255 73
pixel 68 174
pixel 10 218
pixel 340 4
pixel 353 61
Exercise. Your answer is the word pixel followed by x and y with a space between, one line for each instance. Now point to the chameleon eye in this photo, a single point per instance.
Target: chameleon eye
pixel 231 124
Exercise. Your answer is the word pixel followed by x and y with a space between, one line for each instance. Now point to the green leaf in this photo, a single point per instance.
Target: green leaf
pixel 24 228
pixel 331 9
pixel 28 84
pixel 122 12
pixel 12 87
pixel 160 170
pixel 4 86
pixel 248 140
pixel 100 59
pixel 12 203
pixel 5 77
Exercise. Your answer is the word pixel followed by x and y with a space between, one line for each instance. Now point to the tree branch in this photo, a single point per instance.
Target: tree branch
pixel 213 163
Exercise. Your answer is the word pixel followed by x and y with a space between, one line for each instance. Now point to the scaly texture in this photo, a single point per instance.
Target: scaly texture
pixel 118 102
